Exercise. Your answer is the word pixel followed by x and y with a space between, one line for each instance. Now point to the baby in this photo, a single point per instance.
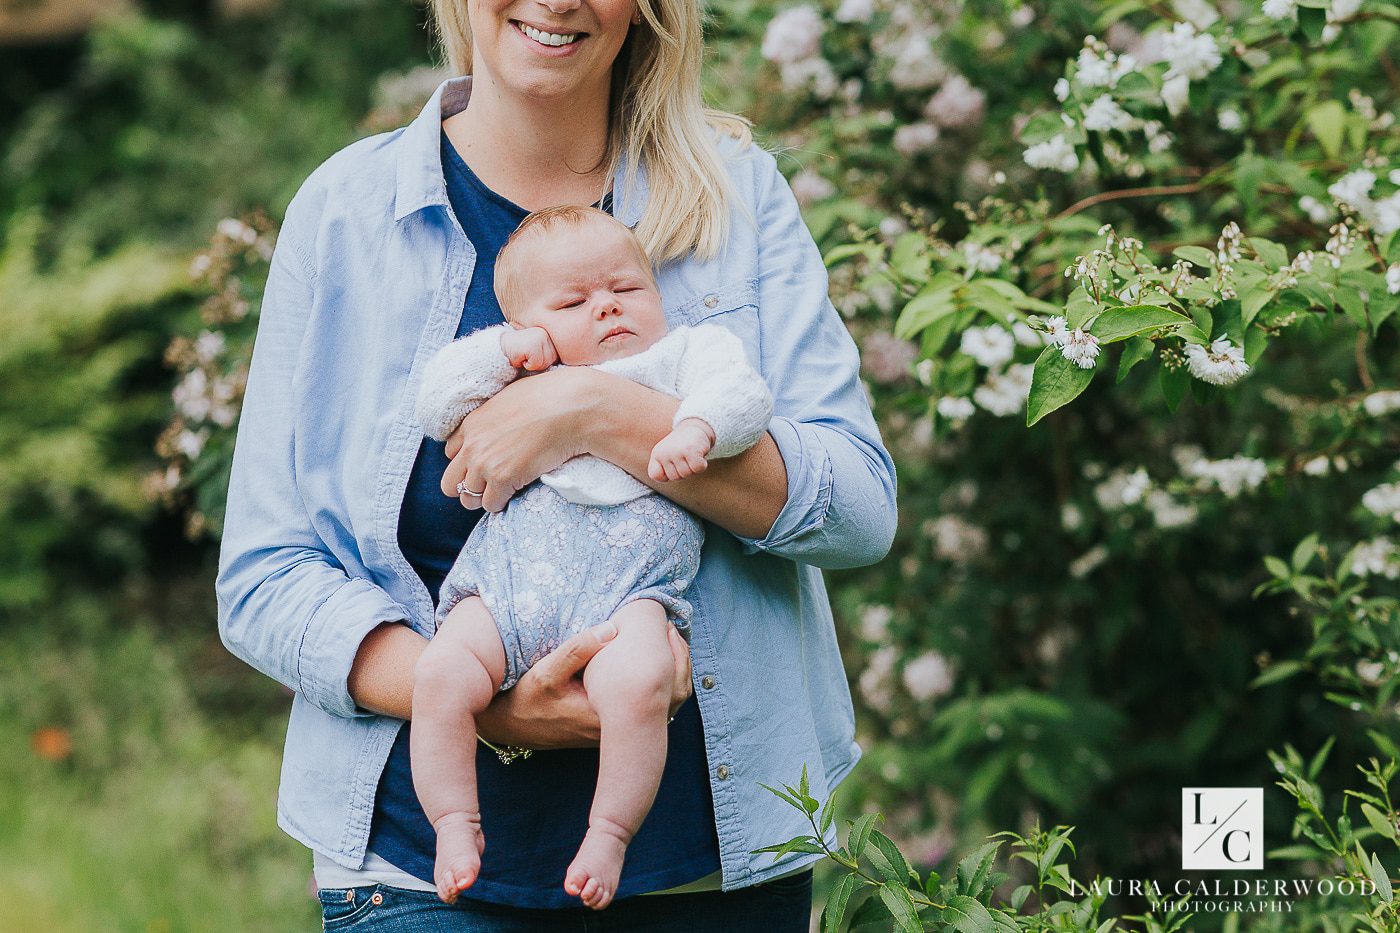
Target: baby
pixel 588 543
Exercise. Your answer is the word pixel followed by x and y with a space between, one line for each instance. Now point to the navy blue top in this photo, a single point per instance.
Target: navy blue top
pixel 534 812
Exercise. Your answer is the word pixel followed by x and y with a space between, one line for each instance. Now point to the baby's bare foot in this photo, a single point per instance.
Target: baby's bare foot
pixel 459 847
pixel 593 874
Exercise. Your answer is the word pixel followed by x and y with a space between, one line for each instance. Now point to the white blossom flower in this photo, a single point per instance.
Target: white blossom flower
pixel 1384 501
pixel 1318 466
pixel 1191 54
pixel 808 187
pixel 191 395
pixel 813 73
pixel 957 103
pixel 1055 153
pixel 1392 279
pixel 1105 114
pixel 1232 476
pixel 190 443
pixel 990 346
pixel 1280 9
pixel 915 66
pixel 1062 90
pixel 1317 212
pixel 875 622
pixel 874 682
pixel 1381 403
pixel 892 227
pixel 854 11
pixel 1377 557
pixel 913 138
pixel 1071 516
pixel 955 539
pixel 1176 93
pixel 1081 348
pixel 1088 562
pixel 1384 215
pixel 1166 511
pixel 1005 393
pixel 1056 330
pixel 1221 364
pixel 923 371
pixel 886 358
pixel 792 35
pixel 1028 336
pixel 1353 188
pixel 1022 16
pixel 1230 121
pixel 237 231
pixel 1198 13
pixel 208 345
pixel 980 258
pixel 1343 9
pixel 1370 672
pixel 928 676
pixel 955 408
pixel 1122 488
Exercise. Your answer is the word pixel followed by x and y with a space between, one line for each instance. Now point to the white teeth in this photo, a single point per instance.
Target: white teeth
pixel 547 38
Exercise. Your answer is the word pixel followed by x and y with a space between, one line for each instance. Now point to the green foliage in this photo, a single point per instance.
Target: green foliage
pixel 84 392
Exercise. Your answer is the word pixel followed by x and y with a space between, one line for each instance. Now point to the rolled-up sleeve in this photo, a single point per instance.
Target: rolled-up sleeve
pixel 286 606
pixel 840 509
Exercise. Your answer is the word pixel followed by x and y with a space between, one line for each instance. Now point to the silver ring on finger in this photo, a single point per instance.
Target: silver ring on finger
pixel 462 490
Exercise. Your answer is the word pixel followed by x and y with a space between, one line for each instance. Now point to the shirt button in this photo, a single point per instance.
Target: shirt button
pixel 707 682
pixel 722 772
pixel 711 300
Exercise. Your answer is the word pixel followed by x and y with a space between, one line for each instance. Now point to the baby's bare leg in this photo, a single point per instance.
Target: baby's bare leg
pixel 456 677
pixel 629 684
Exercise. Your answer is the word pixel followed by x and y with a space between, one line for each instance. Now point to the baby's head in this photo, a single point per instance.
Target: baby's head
pixel 580 274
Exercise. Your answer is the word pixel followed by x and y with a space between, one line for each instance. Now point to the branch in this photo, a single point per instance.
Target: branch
pixel 1123 193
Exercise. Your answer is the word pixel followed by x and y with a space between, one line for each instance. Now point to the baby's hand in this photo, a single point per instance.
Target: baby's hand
pixel 682 452
pixel 529 348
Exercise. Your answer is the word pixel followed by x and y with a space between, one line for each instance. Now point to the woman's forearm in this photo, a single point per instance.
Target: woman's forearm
pixel 742 494
pixel 381 679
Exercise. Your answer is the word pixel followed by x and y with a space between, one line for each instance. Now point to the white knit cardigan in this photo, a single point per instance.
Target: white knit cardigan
pixel 704 366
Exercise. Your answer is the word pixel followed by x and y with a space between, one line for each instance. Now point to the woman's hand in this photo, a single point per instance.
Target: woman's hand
pixel 524 431
pixel 549 707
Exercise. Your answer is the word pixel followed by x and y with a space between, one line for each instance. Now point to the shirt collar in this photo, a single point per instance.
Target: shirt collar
pixel 419 163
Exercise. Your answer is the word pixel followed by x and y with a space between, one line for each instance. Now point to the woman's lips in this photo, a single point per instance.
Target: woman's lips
pixel 552 51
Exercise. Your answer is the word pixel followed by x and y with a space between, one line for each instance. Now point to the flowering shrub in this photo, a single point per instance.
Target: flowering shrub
pixel 1210 187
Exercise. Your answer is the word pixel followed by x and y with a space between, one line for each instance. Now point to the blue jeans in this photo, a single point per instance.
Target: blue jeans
pixel 780 906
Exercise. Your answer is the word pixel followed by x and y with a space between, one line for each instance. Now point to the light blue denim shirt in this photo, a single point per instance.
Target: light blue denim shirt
pixel 367 283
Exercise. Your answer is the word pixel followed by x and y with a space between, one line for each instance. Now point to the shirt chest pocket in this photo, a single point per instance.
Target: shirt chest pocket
pixel 733 306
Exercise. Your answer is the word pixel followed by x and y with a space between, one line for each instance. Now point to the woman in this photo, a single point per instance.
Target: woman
pixel 338 532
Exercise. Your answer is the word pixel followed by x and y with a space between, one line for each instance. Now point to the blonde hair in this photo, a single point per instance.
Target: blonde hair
pixel 539 223
pixel 657 117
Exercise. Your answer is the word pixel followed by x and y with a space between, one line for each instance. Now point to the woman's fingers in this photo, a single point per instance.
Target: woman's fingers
pixel 564 662
pixel 681 686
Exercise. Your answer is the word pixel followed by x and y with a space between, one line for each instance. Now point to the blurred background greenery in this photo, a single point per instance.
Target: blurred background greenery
pixel 1039 645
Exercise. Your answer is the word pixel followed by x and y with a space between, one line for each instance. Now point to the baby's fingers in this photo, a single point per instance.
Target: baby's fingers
pixel 696 463
pixel 655 470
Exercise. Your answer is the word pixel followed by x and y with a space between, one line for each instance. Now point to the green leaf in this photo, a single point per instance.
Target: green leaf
pixel 1304 553
pixel 933 303
pixel 840 254
pixel 1055 382
pixel 828 814
pixel 1382 880
pixel 1174 384
pixel 1197 255
pixel 1280 670
pixel 871 910
pixel 1312 22
pixel 896 897
pixel 1327 120
pixel 1135 351
pixel 888 860
pixel 1270 252
pixel 1378 821
pixel 972 870
pixel 1351 303
pixel 860 833
pixel 1117 324
pixel 1018 896
pixel 968 915
pixel 1256 341
pixel 1277 567
pixel 836 903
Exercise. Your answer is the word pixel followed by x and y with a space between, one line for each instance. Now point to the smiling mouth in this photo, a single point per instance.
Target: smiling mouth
pixel 551 40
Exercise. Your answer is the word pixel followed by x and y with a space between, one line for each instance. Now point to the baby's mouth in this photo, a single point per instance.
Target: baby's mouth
pixel 617 332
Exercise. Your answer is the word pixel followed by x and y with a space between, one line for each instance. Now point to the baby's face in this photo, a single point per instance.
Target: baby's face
pixel 587 287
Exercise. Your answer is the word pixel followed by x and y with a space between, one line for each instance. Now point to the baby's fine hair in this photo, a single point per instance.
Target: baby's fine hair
pixel 541 223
